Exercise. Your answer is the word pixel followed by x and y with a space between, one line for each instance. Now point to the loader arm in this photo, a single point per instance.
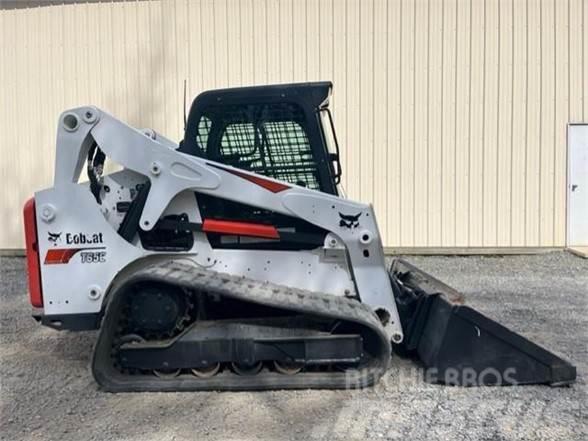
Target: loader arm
pixel 171 173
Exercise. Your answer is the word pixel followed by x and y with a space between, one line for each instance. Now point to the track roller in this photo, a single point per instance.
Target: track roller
pixel 171 373
pixel 206 372
pixel 287 368
pixel 246 369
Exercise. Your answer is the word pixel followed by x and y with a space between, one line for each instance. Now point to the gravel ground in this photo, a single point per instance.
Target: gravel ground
pixel 47 391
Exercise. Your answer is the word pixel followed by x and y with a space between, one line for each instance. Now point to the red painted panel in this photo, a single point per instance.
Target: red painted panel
pixel 60 255
pixel 274 187
pixel 32 248
pixel 240 228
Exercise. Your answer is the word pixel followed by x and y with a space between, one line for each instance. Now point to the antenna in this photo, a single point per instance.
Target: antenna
pixel 185 119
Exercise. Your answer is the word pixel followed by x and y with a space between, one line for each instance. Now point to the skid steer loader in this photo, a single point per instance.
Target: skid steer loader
pixel 231 262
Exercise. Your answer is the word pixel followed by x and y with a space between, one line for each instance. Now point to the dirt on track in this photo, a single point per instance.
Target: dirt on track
pixel 47 391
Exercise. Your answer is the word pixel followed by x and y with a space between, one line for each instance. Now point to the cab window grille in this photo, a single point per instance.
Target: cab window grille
pixel 289 153
pixel 268 139
pixel 238 141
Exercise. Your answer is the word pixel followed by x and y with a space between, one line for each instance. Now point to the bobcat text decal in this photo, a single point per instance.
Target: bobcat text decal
pixel 81 238
pixel 94 254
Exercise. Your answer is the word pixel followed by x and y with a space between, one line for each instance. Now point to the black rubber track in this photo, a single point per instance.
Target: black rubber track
pixel 186 275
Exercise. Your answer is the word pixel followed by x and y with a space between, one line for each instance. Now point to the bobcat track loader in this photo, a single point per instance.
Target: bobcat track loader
pixel 231 262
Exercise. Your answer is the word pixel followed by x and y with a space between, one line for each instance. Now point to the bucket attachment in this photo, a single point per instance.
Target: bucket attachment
pixel 460 346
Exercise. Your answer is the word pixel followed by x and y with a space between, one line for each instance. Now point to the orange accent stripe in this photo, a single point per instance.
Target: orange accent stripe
pixel 32 247
pixel 240 228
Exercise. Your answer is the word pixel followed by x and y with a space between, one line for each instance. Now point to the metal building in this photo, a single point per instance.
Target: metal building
pixel 452 114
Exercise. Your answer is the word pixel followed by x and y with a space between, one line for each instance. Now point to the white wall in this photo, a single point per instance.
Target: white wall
pixel 452 114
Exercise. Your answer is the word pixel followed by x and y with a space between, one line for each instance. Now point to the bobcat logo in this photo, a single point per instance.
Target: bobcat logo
pixel 349 220
pixel 54 237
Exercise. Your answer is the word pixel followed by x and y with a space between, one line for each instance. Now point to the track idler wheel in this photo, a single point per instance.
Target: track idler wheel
pixel 128 338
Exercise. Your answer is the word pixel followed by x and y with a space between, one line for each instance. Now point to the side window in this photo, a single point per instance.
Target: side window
pixel 203 131
pixel 270 140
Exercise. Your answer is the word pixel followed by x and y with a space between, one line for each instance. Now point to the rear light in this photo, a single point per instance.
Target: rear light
pixel 32 248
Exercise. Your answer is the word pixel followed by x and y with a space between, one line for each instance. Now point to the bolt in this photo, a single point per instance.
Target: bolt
pixel 155 168
pixel 365 237
pixel 47 212
pixel 94 293
pixel 89 116
pixel 396 337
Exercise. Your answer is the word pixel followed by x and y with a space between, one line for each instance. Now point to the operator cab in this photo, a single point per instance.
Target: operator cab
pixel 280 131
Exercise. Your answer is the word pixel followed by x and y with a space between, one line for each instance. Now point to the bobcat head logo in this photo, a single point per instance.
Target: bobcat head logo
pixel 54 237
pixel 349 220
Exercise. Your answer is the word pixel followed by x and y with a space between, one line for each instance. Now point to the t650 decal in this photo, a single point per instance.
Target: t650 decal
pixel 63 255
